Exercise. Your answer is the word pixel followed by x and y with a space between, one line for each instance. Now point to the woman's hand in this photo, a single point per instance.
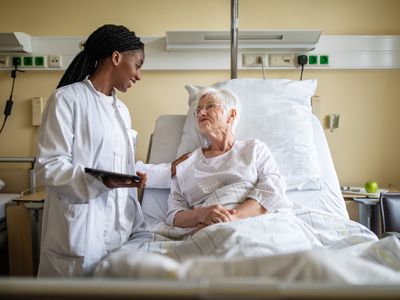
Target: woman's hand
pixel 214 214
pixel 116 182
pixel 177 162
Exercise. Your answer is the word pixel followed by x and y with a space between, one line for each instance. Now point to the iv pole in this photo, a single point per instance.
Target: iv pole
pixel 234 37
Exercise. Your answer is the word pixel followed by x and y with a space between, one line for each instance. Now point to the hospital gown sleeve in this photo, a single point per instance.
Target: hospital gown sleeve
pixel 158 175
pixel 270 190
pixel 176 202
pixel 54 167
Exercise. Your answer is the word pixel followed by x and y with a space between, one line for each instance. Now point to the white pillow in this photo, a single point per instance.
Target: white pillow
pixel 1 184
pixel 191 137
pixel 277 112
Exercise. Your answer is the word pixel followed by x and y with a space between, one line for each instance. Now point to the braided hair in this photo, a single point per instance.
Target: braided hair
pixel 99 45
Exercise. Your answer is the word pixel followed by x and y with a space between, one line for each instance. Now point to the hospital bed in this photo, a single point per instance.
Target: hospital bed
pixel 125 273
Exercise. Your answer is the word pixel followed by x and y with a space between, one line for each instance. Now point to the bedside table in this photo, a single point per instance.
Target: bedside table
pixel 372 212
pixel 23 231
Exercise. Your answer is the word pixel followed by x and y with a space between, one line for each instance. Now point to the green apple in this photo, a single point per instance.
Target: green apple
pixel 371 186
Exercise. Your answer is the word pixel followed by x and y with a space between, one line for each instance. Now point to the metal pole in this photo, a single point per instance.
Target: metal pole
pixel 234 37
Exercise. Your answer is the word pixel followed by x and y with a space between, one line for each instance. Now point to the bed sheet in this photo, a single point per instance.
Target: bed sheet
pixel 329 198
pixel 285 247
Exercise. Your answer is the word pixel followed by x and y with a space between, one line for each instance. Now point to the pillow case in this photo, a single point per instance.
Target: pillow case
pixel 275 111
pixel 191 137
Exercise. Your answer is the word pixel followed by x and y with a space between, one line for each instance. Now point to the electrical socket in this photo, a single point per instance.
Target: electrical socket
pixel 319 60
pixel 54 61
pixel 4 61
pixel 39 61
pixel 254 59
pixel 282 60
pixel 27 61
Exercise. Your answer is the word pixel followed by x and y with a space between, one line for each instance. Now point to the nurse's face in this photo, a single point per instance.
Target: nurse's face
pixel 128 69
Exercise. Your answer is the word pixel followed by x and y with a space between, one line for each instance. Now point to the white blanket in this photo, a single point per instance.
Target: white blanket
pixel 289 246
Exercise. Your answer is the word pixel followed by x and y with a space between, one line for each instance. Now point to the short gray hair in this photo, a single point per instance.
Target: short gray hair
pixel 227 98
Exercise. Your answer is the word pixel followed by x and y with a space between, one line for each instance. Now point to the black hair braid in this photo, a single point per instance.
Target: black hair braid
pixel 99 45
pixel 80 67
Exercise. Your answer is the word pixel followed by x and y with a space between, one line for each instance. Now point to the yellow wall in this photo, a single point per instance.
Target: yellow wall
pixel 365 146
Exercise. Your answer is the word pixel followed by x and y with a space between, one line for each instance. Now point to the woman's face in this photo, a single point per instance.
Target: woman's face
pixel 210 115
pixel 128 68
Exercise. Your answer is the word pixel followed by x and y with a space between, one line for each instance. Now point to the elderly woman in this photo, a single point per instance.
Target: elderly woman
pixel 227 168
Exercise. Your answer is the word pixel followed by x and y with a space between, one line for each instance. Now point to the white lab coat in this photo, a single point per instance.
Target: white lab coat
pixel 84 220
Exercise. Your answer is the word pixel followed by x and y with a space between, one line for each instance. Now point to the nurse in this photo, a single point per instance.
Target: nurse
pixel 86 125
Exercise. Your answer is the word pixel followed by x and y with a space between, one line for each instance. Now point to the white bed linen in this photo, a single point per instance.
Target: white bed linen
pixel 288 246
pixel 329 198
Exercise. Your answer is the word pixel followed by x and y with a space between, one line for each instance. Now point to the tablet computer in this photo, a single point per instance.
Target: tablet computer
pixel 103 173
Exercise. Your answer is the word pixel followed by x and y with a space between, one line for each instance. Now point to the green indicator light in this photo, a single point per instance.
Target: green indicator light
pixel 324 60
pixel 39 61
pixel 16 60
pixel 313 59
pixel 28 61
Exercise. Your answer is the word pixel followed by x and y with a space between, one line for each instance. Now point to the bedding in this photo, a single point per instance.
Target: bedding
pixel 288 246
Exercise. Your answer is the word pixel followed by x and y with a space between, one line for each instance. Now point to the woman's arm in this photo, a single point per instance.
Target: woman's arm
pixel 249 208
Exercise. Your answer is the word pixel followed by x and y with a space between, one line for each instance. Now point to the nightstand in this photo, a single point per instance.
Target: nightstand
pixel 372 212
pixel 365 210
pixel 23 231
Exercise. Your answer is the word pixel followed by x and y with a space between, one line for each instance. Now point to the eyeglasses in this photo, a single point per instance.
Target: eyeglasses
pixel 206 107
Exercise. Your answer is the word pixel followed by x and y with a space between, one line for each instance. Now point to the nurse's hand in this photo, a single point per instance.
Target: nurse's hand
pixel 116 182
pixel 177 162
